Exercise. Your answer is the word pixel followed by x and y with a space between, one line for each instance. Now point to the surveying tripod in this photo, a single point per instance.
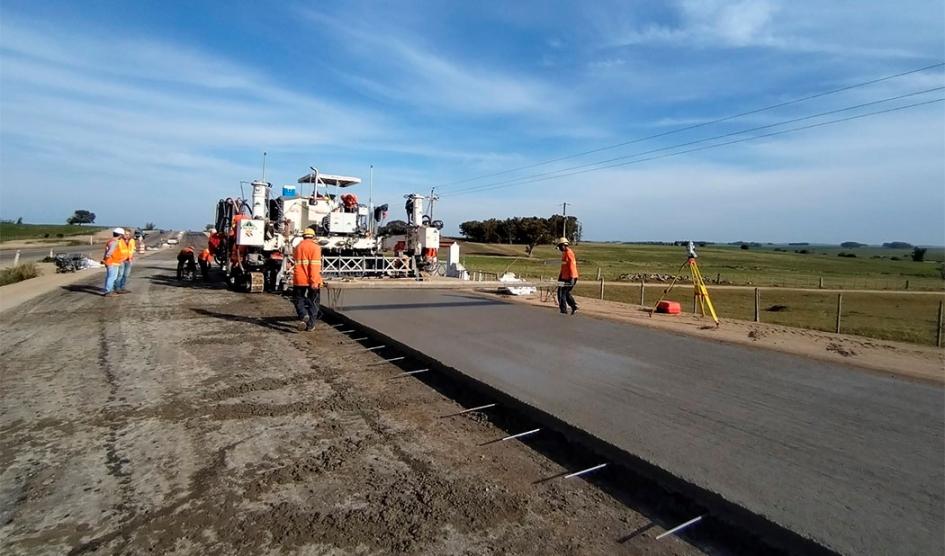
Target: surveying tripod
pixel 700 292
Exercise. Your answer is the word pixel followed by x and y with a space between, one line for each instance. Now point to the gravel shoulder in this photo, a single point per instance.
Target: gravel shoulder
pixel 191 419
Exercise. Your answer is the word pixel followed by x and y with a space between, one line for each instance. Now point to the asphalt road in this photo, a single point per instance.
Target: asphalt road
pixel 850 459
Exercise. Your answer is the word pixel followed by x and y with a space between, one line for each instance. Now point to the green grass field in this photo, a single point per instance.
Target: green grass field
pixel 16 232
pixel 888 315
pixel 758 266
pixel 908 317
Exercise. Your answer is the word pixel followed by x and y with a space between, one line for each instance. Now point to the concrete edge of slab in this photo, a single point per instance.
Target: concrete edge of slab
pixel 748 522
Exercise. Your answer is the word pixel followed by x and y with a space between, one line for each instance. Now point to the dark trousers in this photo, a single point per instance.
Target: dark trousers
pixel 185 263
pixel 204 269
pixel 565 299
pixel 306 303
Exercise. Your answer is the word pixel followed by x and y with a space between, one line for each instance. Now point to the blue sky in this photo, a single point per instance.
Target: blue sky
pixel 151 111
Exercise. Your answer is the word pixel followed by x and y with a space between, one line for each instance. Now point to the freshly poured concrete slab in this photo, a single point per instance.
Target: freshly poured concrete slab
pixel 850 459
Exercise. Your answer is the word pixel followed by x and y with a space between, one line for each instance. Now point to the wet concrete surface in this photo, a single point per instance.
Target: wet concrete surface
pixel 851 459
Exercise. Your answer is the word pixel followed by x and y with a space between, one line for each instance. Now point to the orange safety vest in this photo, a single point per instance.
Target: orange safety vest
pixel 569 269
pixel 205 255
pixel 308 264
pixel 118 254
pixel 127 248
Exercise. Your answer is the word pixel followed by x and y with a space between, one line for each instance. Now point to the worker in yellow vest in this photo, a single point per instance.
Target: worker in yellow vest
pixel 129 248
pixel 113 260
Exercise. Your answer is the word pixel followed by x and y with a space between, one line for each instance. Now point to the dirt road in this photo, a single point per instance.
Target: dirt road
pixel 190 419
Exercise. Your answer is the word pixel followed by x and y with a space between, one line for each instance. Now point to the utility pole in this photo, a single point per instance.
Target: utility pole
pixel 371 222
pixel 564 224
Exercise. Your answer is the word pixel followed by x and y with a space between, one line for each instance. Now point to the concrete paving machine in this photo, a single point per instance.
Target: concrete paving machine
pixel 251 246
pixel 256 237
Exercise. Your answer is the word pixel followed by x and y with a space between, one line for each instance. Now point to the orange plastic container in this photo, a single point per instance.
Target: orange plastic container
pixel 669 307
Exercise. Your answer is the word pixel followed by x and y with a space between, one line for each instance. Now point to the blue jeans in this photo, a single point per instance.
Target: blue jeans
pixel 123 274
pixel 111 275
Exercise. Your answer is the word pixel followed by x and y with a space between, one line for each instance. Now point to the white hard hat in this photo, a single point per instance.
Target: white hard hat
pixel 119 231
pixel 562 241
pixel 213 231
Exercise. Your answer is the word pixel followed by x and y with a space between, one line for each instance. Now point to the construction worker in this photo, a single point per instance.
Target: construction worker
pixel 129 247
pixel 214 241
pixel 567 277
pixel 113 261
pixel 186 262
pixel 205 259
pixel 350 202
pixel 307 280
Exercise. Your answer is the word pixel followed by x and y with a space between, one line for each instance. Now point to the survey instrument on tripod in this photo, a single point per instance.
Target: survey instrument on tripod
pixel 701 293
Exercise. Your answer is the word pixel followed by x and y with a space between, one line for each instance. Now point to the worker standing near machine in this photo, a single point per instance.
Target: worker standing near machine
pixel 567 277
pixel 205 259
pixel 307 280
pixel 129 247
pixel 113 261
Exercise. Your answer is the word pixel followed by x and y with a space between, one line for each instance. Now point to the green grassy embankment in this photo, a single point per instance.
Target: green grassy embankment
pixel 18 232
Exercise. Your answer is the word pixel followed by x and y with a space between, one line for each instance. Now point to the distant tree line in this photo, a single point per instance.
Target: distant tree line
pixel 81 216
pixel 530 231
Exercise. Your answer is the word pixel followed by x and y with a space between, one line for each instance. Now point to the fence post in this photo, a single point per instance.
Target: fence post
pixel 907 284
pixel 642 291
pixel 821 285
pixel 599 275
pixel 16 258
pixel 718 278
pixel 839 310
pixel 757 305
pixel 602 289
pixel 941 317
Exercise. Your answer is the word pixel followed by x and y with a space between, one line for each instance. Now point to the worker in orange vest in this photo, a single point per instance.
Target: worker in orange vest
pixel 129 247
pixel 204 259
pixel 567 277
pixel 307 280
pixel 186 262
pixel 113 259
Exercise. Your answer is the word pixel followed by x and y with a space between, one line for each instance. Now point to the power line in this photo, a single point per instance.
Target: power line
pixel 742 140
pixel 528 179
pixel 696 126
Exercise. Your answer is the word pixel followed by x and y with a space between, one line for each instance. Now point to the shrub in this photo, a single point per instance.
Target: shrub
pixel 18 273
pixel 744 246
pixel 847 255
pixel 918 254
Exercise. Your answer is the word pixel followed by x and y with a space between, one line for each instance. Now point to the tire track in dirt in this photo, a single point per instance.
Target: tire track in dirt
pixel 114 462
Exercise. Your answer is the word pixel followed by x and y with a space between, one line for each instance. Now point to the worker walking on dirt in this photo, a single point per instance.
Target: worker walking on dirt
pixel 307 280
pixel 113 260
pixel 205 259
pixel 129 247
pixel 567 277
pixel 186 262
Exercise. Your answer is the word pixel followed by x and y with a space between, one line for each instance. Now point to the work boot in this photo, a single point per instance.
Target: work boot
pixel 574 310
pixel 302 326
pixel 110 294
pixel 123 291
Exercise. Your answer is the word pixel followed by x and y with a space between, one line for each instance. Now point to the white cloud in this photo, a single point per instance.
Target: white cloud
pixel 410 73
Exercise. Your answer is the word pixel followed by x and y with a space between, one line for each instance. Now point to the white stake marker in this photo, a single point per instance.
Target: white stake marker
pixel 588 470
pixel 402 375
pixel 681 527
pixel 521 434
